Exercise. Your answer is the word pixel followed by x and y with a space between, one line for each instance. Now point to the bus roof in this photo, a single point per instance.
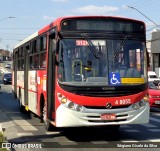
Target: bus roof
pixel 58 21
pixel 26 40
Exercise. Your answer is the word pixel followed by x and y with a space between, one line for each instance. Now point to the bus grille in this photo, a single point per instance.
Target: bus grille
pixel 104 93
pixel 103 107
pixel 102 121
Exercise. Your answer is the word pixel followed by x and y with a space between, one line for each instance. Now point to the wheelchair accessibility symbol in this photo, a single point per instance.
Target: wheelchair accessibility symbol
pixel 115 79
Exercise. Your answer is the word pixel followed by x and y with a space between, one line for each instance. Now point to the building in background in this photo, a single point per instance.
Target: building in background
pixel 5 55
pixel 155 51
pixel 150 55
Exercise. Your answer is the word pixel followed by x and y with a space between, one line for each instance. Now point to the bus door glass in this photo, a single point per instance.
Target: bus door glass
pixel 26 67
pixel 51 76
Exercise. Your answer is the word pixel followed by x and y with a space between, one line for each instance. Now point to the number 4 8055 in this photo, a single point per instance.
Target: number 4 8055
pixel 123 101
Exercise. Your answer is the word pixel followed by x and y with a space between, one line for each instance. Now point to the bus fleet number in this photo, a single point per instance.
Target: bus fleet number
pixel 123 102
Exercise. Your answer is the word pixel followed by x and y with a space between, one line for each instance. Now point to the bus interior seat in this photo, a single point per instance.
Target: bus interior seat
pixel 131 72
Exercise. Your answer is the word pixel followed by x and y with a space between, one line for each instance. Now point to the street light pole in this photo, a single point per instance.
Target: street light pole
pixel 144 15
pixel 3 20
pixel 6 18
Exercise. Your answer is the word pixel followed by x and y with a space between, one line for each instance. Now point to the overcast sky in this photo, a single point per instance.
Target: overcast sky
pixel 31 15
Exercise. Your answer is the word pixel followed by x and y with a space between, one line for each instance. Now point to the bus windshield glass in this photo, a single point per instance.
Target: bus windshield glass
pixel 120 62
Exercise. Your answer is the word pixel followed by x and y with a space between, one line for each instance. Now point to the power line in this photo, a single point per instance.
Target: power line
pixel 124 8
pixel 6 18
pixel 20 28
pixel 13 34
pixel 144 15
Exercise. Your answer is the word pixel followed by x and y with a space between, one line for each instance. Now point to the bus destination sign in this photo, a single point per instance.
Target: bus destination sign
pixel 110 25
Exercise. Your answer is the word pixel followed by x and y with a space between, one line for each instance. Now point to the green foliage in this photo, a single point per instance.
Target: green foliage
pixel 1 141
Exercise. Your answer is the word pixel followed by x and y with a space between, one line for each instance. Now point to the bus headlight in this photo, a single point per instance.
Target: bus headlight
pixel 146 98
pixel 135 106
pixel 142 103
pixel 71 105
pixel 79 108
pixel 64 100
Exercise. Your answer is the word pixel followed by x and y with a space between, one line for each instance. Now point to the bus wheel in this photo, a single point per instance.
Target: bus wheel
pixel 48 126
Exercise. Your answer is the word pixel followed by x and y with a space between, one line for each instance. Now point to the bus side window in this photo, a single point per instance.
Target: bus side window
pixel 42 54
pixel 35 61
pixel 43 60
pixel 31 62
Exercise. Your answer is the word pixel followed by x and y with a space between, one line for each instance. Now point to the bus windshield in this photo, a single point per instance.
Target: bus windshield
pixel 78 65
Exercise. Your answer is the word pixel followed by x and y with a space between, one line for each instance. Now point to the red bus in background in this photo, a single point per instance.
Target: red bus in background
pixel 84 71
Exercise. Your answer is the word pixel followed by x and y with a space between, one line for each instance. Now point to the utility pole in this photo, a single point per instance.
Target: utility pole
pixel 2 19
pixel 7 46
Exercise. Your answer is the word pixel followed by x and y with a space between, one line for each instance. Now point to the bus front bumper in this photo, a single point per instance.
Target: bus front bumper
pixel 92 117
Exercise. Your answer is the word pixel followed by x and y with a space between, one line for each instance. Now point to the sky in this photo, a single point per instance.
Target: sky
pixel 28 16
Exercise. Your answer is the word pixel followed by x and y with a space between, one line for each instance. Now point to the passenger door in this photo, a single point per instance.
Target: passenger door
pixel 51 76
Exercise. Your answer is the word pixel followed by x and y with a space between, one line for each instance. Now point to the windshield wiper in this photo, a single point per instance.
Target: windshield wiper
pixel 121 46
pixel 91 46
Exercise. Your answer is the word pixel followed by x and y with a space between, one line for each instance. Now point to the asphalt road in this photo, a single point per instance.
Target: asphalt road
pixel 2 65
pixel 27 129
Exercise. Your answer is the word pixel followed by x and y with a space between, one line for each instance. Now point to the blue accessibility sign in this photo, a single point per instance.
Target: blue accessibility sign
pixel 114 78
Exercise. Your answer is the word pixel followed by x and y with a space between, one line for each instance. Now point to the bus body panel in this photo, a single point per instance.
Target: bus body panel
pixel 102 101
pixel 90 114
pixel 32 88
pixel 36 87
pixel 20 86
pixel 41 89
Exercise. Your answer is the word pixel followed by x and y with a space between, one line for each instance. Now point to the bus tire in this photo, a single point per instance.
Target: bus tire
pixel 48 126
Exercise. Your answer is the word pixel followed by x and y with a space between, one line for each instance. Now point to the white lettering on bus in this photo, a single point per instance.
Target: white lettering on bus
pixel 123 101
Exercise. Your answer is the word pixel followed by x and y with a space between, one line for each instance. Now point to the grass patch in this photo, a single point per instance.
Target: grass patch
pixel 1 141
pixel 1 137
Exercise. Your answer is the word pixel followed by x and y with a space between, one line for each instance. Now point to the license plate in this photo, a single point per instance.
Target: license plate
pixel 157 102
pixel 108 116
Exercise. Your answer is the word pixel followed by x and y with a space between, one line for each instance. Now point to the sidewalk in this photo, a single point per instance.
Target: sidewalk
pixel 8 126
pixel 13 136
pixel 8 129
